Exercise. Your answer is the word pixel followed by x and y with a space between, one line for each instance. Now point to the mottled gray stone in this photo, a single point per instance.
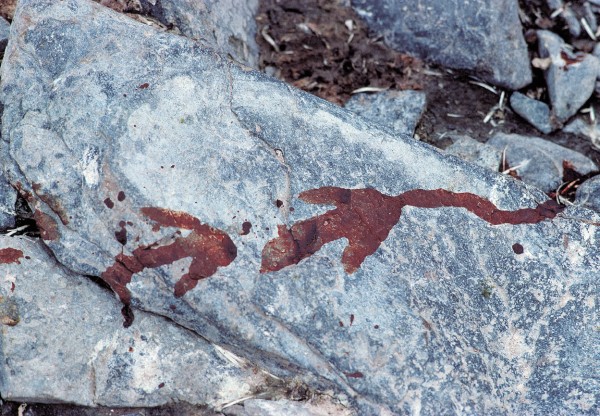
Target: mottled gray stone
pixel 570 78
pixel 472 151
pixel 399 111
pixel 481 36
pixel 63 341
pixel 447 312
pixel 533 111
pixel 588 194
pixel 256 407
pixel 8 197
pixel 228 25
pixel 540 161
pixel 4 32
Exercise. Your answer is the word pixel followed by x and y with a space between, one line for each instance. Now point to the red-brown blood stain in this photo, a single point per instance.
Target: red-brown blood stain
pixel 127 313
pixel 130 349
pixel 173 307
pixel 570 61
pixel 376 327
pixel 109 203
pixel 121 235
pixel 356 374
pixel 129 223
pixel 12 286
pixel 53 203
pixel 246 226
pixel 208 247
pixel 517 248
pixel 161 385
pixel 10 255
pixel 341 323
pixel 121 196
pixel 366 216
pixel 28 258
pixel 292 209
pixel 144 86
pixel 45 223
pixel 351 319
pixel 279 203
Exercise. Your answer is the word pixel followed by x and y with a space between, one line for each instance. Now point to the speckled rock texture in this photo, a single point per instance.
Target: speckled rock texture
pixel 399 111
pixel 539 162
pixel 473 151
pixel 481 36
pixel 291 232
pixel 63 341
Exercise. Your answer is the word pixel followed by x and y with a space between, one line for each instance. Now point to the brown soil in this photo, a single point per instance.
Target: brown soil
pixel 324 48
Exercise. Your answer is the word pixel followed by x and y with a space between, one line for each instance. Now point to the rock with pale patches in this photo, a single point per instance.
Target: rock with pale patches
pixel 63 342
pixel 291 232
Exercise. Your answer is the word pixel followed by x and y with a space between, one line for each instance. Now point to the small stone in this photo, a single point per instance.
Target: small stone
pixel 399 111
pixel 475 152
pixel 540 161
pixel 583 128
pixel 571 78
pixel 533 111
pixel 588 194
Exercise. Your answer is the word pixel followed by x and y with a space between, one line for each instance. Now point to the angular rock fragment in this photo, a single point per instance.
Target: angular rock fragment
pixel 482 36
pixel 588 194
pixel 539 162
pixel 533 111
pixel 392 274
pixel 8 197
pixel 399 111
pixel 570 78
pixel 475 152
pixel 63 341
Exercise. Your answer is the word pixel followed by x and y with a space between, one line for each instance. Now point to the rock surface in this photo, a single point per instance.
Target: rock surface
pixel 63 341
pixel 570 78
pixel 588 194
pixel 226 25
pixel 540 162
pixel 290 231
pixel 472 151
pixel 535 112
pixel 399 111
pixel 482 36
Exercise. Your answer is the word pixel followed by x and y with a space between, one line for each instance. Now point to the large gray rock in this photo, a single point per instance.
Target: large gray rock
pixel 472 151
pixel 399 111
pixel 570 78
pixel 481 36
pixel 540 162
pixel 290 231
pixel 63 341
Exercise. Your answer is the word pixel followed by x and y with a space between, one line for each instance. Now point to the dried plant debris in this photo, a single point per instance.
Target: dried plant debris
pixel 322 47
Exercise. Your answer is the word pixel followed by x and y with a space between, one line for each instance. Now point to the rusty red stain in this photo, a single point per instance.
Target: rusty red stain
pixel 10 255
pixel 46 224
pixel 246 226
pixel 12 286
pixel 366 216
pixel 109 203
pixel 570 61
pixel 279 203
pixel 341 323
pixel 161 385
pixel 52 202
pixel 356 374
pixel 121 196
pixel 208 247
pixel 517 248
pixel 351 319
pixel 144 86
pixel 121 235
